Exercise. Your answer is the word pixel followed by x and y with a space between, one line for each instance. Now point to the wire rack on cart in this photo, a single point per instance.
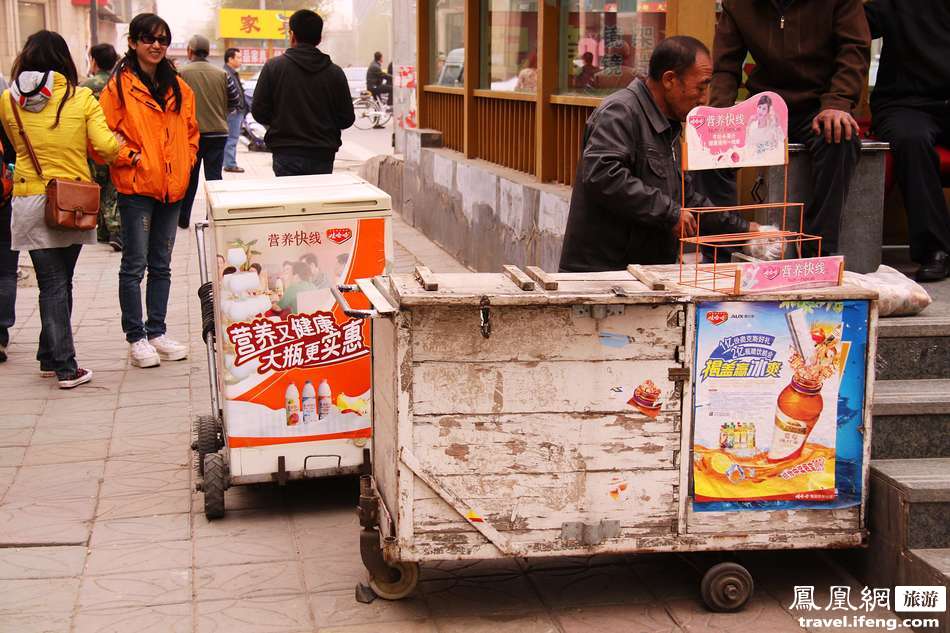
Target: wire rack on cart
pixel 712 267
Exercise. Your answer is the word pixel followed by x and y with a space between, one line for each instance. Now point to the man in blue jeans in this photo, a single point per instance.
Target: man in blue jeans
pixel 232 64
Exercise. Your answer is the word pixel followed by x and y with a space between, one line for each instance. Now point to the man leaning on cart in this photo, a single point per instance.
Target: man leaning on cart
pixel 626 204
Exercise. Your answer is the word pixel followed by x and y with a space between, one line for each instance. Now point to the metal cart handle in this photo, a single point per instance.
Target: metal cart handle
pixel 337 292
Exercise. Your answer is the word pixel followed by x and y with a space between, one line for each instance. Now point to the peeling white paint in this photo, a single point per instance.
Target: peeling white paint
pixel 443 171
pixel 413 146
pixel 552 214
pixel 477 186
pixel 511 206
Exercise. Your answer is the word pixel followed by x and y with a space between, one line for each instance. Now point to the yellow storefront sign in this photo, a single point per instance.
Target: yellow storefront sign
pixel 254 24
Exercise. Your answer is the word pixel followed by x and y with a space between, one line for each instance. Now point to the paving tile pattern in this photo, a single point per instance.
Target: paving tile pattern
pixel 100 530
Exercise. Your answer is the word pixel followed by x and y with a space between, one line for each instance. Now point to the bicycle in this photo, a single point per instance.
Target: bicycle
pixel 370 111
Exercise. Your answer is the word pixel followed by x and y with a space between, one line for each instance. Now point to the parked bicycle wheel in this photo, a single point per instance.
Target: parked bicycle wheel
pixel 367 113
pixel 385 115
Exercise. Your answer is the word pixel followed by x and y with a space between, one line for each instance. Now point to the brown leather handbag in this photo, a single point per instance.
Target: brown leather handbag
pixel 71 205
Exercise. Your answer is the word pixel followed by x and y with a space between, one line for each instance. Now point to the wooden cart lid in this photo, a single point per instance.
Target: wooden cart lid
pixel 515 286
pixel 532 286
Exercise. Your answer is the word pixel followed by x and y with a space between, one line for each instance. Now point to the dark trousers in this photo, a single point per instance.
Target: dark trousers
pixel 54 269
pixel 8 266
pixel 833 165
pixel 292 164
pixel 912 134
pixel 384 93
pixel 211 154
pixel 148 238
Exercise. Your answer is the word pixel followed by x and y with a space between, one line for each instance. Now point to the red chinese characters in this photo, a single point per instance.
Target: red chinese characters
pixel 301 340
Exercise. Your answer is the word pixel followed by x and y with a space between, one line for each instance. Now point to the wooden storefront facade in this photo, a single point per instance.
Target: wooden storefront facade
pixel 539 132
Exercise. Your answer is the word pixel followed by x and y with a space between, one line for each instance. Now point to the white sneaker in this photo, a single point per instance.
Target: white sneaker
pixel 142 354
pixel 168 349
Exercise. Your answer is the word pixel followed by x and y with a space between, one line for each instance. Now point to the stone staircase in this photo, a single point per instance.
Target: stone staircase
pixel 909 504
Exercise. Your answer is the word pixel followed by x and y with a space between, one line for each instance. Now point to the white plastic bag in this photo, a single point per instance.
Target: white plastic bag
pixel 898 294
pixel 765 249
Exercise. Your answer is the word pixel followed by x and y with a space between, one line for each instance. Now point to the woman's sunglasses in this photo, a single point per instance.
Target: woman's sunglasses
pixel 148 38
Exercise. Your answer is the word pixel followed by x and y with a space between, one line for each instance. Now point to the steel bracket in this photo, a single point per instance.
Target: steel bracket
pixel 590 533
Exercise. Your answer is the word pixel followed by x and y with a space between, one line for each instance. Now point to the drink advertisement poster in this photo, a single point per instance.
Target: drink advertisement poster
pixel 779 404
pixel 749 134
pixel 293 367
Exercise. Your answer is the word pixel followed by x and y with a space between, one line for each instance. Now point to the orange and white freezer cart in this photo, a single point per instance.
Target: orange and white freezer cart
pixel 290 373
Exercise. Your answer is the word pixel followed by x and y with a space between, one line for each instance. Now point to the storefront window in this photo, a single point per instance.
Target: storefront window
pixel 510 45
pixel 32 17
pixel 604 45
pixel 447 20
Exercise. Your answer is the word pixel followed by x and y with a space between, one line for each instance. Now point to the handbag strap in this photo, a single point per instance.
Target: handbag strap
pixel 26 139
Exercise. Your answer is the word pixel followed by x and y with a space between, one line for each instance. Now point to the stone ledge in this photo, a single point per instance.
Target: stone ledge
pixel 912 397
pixel 918 480
pixel 905 327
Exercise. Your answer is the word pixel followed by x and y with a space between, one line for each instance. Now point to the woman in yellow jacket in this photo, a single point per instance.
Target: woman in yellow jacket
pixel 60 121
pixel 154 110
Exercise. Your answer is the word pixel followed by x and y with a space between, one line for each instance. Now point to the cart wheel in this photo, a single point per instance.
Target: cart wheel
pixel 402 586
pixel 213 485
pixel 209 439
pixel 726 587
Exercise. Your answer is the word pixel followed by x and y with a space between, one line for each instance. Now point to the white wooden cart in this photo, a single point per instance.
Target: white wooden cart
pixel 502 426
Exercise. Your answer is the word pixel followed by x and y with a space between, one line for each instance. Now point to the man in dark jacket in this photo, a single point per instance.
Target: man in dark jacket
pixel 815 55
pixel 378 81
pixel 215 96
pixel 305 99
pixel 911 108
pixel 626 205
pixel 232 64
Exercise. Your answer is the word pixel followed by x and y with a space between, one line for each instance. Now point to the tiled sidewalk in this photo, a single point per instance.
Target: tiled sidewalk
pixel 100 530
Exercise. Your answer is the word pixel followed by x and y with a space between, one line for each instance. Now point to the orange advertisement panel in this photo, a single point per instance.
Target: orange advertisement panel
pixel 293 367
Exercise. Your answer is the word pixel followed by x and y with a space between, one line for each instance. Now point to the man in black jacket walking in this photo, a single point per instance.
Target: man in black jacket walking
pixel 305 99
pixel 911 109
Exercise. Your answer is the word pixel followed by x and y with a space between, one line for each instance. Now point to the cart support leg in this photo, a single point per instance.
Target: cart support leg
pixel 372 554
pixel 370 544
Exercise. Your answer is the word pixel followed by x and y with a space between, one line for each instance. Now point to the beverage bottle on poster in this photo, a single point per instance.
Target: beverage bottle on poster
pixel 292 404
pixel 309 403
pixel 324 399
pixel 799 406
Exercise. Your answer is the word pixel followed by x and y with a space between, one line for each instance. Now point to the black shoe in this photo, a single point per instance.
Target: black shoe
pixel 3 353
pixel 936 268
pixel 116 243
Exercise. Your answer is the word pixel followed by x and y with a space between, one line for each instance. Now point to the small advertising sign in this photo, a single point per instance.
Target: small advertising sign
pixel 749 134
pixel 779 402
pixel 812 272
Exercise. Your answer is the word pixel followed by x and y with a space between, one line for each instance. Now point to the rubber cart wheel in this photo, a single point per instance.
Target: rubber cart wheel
pixel 398 589
pixel 726 587
pixel 209 438
pixel 213 485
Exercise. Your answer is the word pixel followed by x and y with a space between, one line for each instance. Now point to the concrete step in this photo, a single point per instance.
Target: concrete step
pixel 913 347
pixel 908 508
pixel 927 567
pixel 920 489
pixel 911 419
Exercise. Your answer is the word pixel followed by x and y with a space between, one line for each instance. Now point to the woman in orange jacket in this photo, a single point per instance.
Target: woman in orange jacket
pixel 154 110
